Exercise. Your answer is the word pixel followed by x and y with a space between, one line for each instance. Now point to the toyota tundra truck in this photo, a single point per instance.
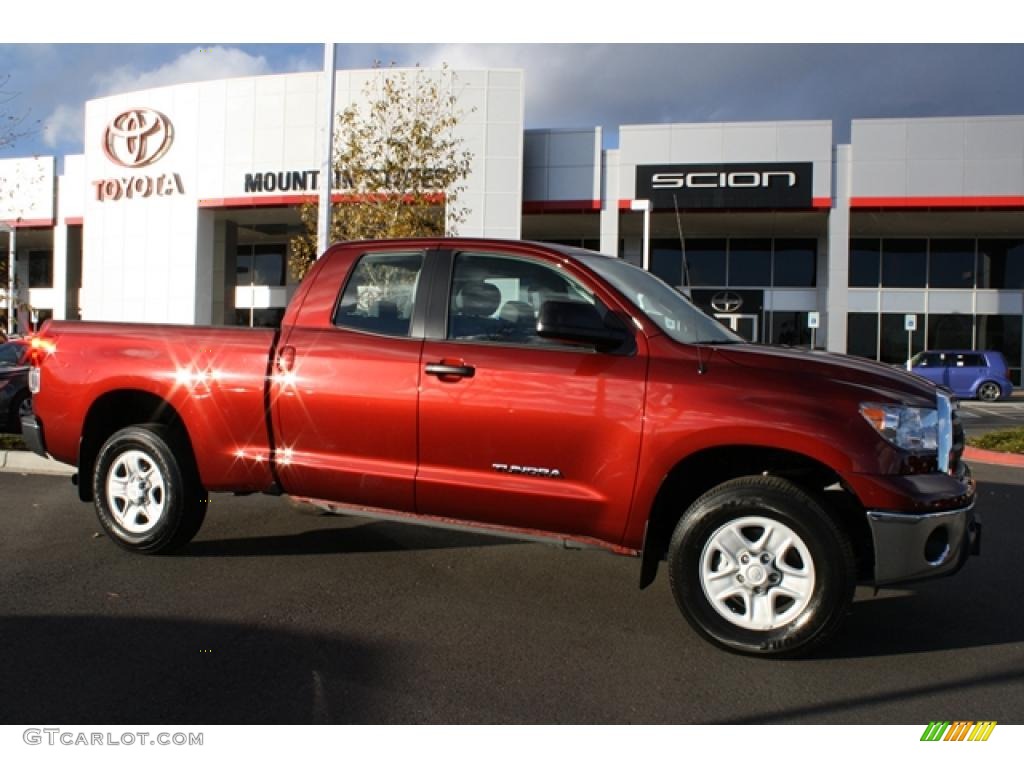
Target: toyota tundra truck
pixel 535 391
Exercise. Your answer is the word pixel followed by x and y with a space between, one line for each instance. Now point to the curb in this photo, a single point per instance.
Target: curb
pixel 27 463
pixel 993 457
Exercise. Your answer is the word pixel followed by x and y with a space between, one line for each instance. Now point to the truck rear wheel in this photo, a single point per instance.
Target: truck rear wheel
pixel 147 492
pixel 759 567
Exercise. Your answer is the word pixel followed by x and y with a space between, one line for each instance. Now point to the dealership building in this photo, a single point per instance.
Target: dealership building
pixel 182 205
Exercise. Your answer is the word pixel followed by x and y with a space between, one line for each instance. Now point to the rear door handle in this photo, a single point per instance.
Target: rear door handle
pixel 450 371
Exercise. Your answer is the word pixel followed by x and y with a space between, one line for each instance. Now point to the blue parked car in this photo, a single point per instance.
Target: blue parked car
pixel 969 373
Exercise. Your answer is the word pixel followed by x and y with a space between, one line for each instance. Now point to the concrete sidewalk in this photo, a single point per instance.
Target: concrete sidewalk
pixel 28 463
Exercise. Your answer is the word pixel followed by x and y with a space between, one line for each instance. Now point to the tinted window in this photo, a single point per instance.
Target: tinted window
pixel 951 264
pixel 950 331
pixel 862 334
pixel 893 345
pixel 865 263
pixel 667 261
pixel 40 269
pixel 261 265
pixel 1001 264
pixel 750 262
pixel 1001 332
pixel 904 263
pixel 705 260
pixel 379 295
pixel 796 263
pixel 498 298
pixel 11 354
pixel 790 329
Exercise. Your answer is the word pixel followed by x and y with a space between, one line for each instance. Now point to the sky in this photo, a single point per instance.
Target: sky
pixel 567 84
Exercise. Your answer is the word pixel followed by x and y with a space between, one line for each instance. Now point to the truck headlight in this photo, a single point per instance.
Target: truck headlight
pixel 912 429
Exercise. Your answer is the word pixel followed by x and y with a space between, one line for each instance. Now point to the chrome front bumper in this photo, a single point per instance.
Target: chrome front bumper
pixel 912 547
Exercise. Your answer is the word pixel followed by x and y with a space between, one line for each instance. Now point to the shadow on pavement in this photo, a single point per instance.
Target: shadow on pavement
pixel 369 537
pixel 95 670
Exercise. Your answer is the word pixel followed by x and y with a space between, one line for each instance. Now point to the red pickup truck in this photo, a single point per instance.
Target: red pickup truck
pixel 537 391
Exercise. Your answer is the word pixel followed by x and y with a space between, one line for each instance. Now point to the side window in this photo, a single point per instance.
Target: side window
pixel 498 298
pixel 974 361
pixel 379 295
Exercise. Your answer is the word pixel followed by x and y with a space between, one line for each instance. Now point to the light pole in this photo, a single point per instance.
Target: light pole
pixel 323 223
pixel 11 250
pixel 645 206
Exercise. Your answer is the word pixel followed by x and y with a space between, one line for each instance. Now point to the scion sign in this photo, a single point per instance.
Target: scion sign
pixel 743 185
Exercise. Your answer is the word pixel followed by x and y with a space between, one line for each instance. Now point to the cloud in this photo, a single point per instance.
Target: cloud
pixel 215 63
pixel 65 124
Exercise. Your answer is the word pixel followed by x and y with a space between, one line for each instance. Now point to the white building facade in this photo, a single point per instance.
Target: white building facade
pixel 181 207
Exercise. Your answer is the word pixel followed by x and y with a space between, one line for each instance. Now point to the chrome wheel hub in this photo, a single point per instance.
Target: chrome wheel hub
pixel 757 573
pixel 136 493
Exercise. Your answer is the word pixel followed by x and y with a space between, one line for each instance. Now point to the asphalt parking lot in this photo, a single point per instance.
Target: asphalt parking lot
pixel 276 614
pixel 979 418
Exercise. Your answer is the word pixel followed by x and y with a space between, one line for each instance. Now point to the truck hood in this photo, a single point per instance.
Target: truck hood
pixel 888 382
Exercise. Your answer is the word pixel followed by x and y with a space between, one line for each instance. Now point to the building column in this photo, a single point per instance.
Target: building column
pixel 60 271
pixel 610 202
pixel 839 251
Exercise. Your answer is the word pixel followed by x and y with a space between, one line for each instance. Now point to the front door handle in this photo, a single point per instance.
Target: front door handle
pixel 285 359
pixel 448 371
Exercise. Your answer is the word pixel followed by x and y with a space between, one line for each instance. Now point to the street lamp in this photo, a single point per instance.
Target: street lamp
pixel 11 246
pixel 645 206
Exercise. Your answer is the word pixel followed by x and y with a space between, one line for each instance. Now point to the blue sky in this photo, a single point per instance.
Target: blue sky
pixel 567 85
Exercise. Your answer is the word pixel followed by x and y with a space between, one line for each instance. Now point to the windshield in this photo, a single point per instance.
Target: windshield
pixel 665 306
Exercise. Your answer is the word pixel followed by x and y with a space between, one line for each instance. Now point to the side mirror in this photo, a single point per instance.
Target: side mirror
pixel 581 322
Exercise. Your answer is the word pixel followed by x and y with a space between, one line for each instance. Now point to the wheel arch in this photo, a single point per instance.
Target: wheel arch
pixel 701 471
pixel 116 410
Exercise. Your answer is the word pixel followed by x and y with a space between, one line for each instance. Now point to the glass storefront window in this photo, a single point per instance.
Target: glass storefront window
pixel 950 332
pixel 893 341
pixel 790 329
pixel 1002 332
pixel 904 263
pixel 796 263
pixel 951 264
pixel 705 261
pixel 750 262
pixel 862 334
pixel 40 269
pixel 1001 264
pixel 261 265
pixel 865 263
pixel 667 261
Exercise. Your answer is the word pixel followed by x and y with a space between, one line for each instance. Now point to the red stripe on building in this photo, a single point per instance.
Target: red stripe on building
pixel 561 206
pixel 73 221
pixel 817 202
pixel 281 201
pixel 29 223
pixel 977 201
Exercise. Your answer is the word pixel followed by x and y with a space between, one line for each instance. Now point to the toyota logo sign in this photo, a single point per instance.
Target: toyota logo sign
pixel 137 137
pixel 726 301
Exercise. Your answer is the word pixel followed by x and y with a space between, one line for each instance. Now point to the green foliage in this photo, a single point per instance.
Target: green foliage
pixel 1005 440
pixel 12 443
pixel 400 161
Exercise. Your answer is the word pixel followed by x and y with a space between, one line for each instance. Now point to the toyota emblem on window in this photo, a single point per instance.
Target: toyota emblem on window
pixel 726 301
pixel 137 137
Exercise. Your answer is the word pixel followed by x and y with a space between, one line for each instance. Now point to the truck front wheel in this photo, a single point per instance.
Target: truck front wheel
pixel 148 496
pixel 757 566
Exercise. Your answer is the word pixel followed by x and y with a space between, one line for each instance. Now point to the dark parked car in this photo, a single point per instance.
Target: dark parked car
pixel 969 373
pixel 14 392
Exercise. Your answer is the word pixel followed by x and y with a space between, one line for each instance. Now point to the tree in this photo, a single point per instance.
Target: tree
pixel 12 126
pixel 398 161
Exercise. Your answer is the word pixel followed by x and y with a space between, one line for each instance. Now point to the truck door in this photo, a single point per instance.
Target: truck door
pixel 345 395
pixel 518 430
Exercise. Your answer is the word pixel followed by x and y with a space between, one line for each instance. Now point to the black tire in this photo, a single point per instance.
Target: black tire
pixel 989 391
pixel 14 414
pixel 147 492
pixel 697 555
